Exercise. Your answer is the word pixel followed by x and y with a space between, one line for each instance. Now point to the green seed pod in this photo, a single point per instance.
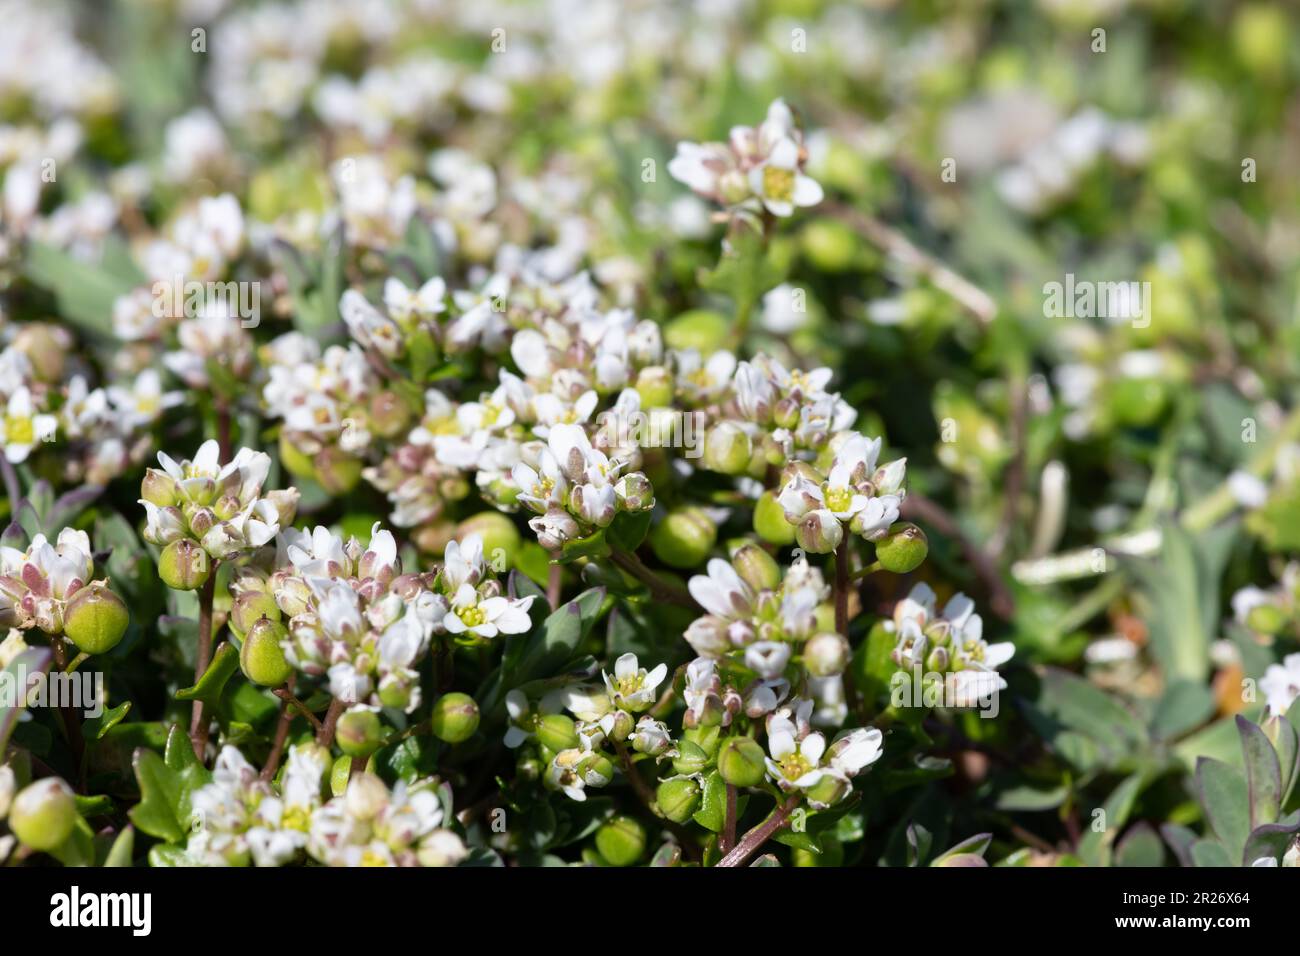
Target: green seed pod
pixel 727 449
pixel 741 762
pixel 359 732
pixel 829 244
pixel 500 538
pixel 1266 619
pixel 262 658
pixel 903 548
pixel 295 461
pixel 770 523
pixel 337 471
pixel 184 565
pixel 690 758
pixel 251 606
pixel 455 718
pixel 43 814
pixel 698 329
pixel 621 840
pixel 678 798
pixel 95 619
pixel 556 732
pixel 756 567
pixel 684 538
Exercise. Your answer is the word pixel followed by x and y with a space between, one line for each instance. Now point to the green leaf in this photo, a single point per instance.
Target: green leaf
pixel 713 808
pixel 1140 846
pixel 160 794
pixel 1183 706
pixel 123 849
pixel 94 806
pixel 1271 840
pixel 161 855
pixel 1095 847
pixel 1210 853
pixel 628 530
pixel 209 687
pixel 79 848
pixel 1180 586
pixel 970 847
pixel 555 642
pixel 98 727
pixel 1068 703
pixel 1263 773
pixel 1226 802
pixel 85 291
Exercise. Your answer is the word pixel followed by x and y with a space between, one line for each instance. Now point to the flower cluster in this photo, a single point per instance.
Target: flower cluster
pixel 241 819
pixel 759 167
pixel 199 509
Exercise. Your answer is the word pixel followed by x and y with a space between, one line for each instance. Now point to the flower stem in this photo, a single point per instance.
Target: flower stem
pixel 281 735
pixel 842 589
pixel 554 582
pixel 660 589
pixel 325 736
pixel 71 719
pixel 756 837
pixel 286 694
pixel 198 722
pixel 727 839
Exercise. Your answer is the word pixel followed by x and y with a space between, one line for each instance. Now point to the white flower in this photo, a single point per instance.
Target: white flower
pixel 403 304
pixel 471 614
pixel 1281 684
pixel 767 658
pixel 23 426
pixel 794 764
pixel 651 737
pixel 780 184
pixel 632 687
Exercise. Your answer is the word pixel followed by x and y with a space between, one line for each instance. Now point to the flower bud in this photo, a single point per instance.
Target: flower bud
pixel 621 841
pixel 262 658
pixel 159 488
pixel 785 413
pixel 595 769
pixel 741 762
pixel 341 772
pixel 819 532
pixel 937 660
pixel 500 535
pixel 727 449
pixel 769 521
pixel 756 567
pixel 285 503
pixel 651 737
pixel 454 718
pixel 389 415
pixel 826 654
pixel 684 538
pixel 183 565
pixel 690 759
pixel 902 549
pixel 829 790
pixel 359 732
pixel 557 732
pixel 678 798
pixel 43 814
pixel 634 492
pixel 655 386
pixel 366 795
pixel 95 619
pixel 829 244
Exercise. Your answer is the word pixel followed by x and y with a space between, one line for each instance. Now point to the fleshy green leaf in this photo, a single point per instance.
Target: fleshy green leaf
pixel 209 687
pixel 1226 802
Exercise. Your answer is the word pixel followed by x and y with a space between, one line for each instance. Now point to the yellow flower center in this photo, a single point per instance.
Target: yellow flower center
pixel 778 183
pixel 472 616
pixel 296 818
pixel 371 858
pixel 794 766
pixel 19 430
pixel 974 650
pixel 838 499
